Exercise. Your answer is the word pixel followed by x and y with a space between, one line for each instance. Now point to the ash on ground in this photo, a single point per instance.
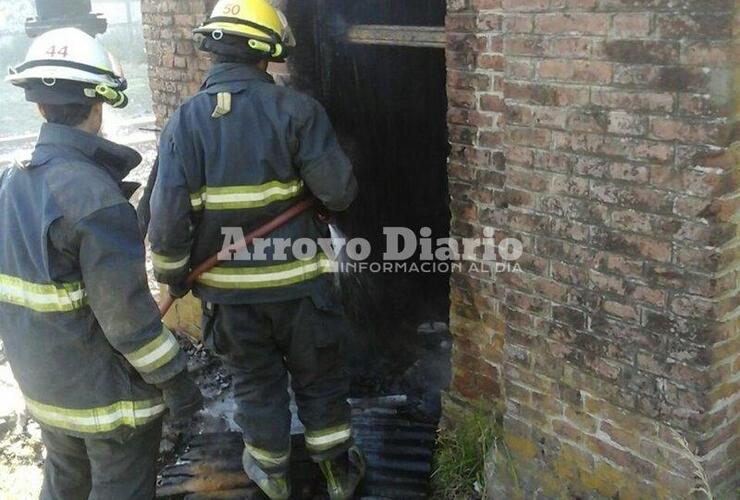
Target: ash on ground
pixel 218 413
pixel 21 450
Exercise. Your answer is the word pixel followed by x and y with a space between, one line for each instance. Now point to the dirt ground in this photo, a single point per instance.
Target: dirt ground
pixel 21 452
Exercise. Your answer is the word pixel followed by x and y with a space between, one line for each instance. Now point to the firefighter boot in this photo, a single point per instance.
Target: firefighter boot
pixel 344 474
pixel 276 486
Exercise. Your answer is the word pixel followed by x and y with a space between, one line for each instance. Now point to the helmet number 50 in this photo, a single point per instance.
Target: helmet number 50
pixel 232 9
pixel 57 52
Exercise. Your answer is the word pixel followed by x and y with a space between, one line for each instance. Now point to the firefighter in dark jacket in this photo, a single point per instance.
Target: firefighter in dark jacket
pixel 78 323
pixel 236 155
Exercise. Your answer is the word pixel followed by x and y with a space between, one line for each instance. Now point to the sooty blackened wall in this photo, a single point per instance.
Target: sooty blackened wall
pixel 389 105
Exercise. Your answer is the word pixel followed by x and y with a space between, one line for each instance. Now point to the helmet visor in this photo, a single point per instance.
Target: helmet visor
pixel 287 34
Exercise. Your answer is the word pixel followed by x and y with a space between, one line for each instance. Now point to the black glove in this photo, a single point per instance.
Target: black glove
pixel 179 291
pixel 182 396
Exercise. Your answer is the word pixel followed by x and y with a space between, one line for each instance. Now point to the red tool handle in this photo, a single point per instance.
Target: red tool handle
pixel 260 232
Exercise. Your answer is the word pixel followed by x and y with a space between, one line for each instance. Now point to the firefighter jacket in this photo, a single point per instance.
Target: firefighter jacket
pixel 78 323
pixel 236 155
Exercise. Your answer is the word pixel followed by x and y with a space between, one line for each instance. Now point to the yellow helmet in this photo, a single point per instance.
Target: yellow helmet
pixel 265 27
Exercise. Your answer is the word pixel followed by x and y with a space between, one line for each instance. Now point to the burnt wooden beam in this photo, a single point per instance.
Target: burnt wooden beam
pixel 398 36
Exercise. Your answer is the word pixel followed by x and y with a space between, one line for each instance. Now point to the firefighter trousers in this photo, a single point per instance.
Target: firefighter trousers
pixel 267 345
pixel 101 469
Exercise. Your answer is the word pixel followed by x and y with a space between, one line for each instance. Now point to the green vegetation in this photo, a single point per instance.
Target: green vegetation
pixel 462 452
pixel 702 489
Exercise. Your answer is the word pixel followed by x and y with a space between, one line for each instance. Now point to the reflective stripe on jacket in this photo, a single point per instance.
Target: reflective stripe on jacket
pixel 273 147
pixel 78 323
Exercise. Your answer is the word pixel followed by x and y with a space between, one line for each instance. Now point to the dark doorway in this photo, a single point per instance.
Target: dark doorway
pixel 389 106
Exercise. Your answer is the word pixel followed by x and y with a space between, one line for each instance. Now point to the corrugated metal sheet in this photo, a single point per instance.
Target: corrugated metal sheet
pixel 399 452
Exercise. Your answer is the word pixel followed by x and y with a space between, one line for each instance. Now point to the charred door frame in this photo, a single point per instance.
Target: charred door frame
pixel 385 318
pixel 373 34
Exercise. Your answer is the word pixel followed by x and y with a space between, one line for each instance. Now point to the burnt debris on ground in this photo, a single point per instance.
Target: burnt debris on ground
pixel 398 448
pixel 203 458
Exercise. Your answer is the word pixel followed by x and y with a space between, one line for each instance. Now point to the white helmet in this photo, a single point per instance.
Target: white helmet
pixel 66 66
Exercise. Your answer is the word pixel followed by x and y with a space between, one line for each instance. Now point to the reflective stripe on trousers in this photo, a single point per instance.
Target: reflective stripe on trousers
pixel 318 441
pixel 268 459
pixel 275 484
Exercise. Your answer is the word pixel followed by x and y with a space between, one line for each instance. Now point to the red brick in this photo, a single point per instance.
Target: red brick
pixel 701 133
pixel 523 45
pixel 589 71
pixel 518 23
pixel 463 99
pixel 593 24
pixel 704 105
pixel 640 51
pixel 461 22
pixel 693 306
pixel 633 101
pixel 706 53
pixel 624 311
pixel 455 6
pixel 634 245
pixel 492 102
pixel 629 172
pixel 490 139
pixel 490 22
pixel 519 115
pixel 525 5
pixel 568 47
pixel 622 123
pixel 520 69
pixel 460 116
pixel 631 25
pixel 462 134
pixel 679 25
pixel 485 4
pixel 527 179
pixel 471 81
pixel 573 186
pixel 494 62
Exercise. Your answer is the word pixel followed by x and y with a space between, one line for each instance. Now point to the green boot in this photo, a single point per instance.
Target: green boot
pixel 344 475
pixel 274 486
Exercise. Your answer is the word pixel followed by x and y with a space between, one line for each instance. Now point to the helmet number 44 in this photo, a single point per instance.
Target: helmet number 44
pixel 232 9
pixel 58 52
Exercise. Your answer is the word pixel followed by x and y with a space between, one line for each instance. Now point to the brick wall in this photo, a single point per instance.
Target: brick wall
pixel 599 132
pixel 176 68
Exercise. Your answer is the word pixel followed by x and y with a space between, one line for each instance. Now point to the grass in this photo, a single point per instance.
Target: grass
pixel 462 451
pixel 702 486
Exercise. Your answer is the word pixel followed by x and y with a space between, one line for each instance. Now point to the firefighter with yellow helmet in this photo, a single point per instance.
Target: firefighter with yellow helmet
pixel 235 155
pixel 256 24
pixel 79 326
